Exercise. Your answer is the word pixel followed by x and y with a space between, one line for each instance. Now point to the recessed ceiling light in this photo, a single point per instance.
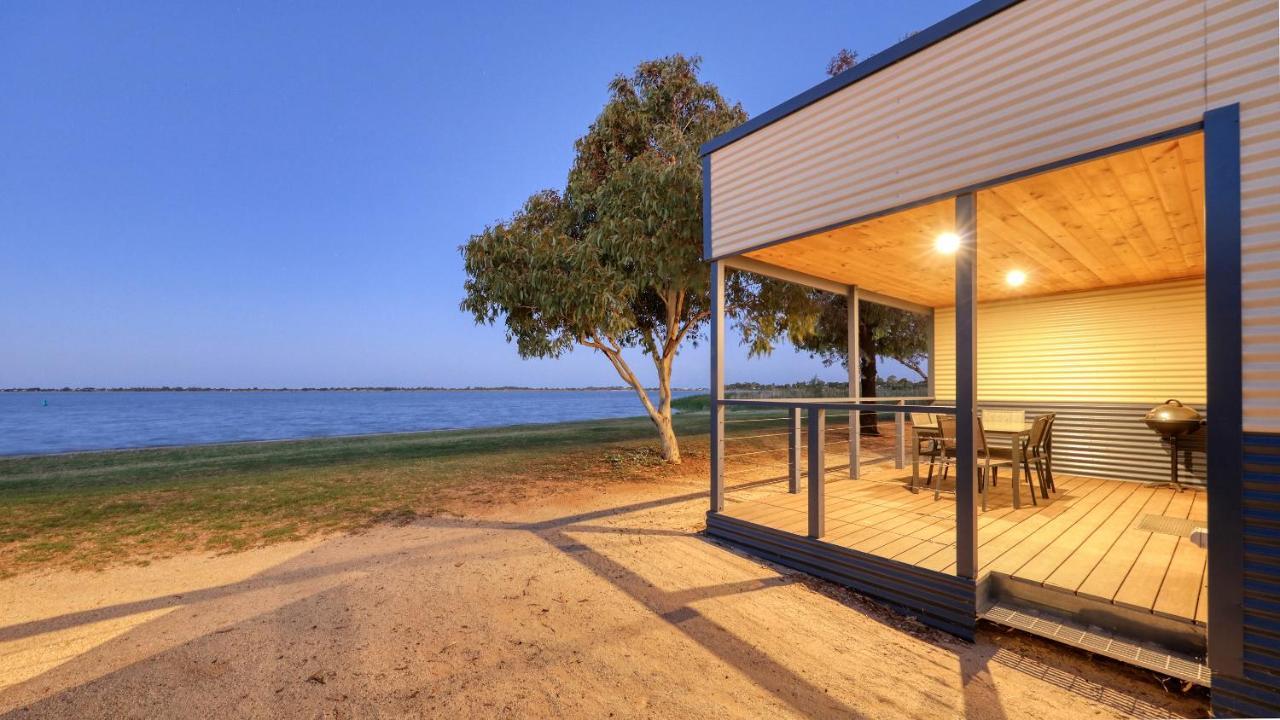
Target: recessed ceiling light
pixel 947 242
pixel 1015 278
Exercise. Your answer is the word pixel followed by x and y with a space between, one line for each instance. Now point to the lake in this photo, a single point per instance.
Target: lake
pixel 32 422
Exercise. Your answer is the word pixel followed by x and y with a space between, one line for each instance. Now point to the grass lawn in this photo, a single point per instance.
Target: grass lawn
pixel 88 510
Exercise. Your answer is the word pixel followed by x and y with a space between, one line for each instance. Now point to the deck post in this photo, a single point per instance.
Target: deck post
pixel 855 381
pixel 930 382
pixel 900 427
pixel 795 467
pixel 1223 335
pixel 817 469
pixel 966 386
pixel 717 386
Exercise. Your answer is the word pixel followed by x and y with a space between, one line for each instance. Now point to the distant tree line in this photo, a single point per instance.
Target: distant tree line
pixel 387 388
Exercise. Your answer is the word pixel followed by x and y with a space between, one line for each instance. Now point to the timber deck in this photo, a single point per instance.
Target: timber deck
pixel 1088 539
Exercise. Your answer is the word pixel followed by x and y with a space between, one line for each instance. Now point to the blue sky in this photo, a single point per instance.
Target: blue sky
pixel 272 194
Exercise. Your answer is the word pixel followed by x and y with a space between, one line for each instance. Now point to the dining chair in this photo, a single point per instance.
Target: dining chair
pixel 925 427
pixel 1005 419
pixel 1037 451
pixel 989 461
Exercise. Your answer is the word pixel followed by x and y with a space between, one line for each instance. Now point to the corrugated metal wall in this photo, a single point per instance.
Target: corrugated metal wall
pixel 1257 693
pixel 1109 440
pixel 1141 344
pixel 1038 82
pixel 1244 66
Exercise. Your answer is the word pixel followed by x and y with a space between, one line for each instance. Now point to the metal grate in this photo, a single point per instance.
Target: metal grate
pixel 1105 644
pixel 1181 527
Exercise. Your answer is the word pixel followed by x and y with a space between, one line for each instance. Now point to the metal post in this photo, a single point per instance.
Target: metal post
pixel 966 386
pixel 1225 441
pixel 817 470
pixel 794 467
pixel 931 383
pixel 900 427
pixel 717 387
pixel 855 381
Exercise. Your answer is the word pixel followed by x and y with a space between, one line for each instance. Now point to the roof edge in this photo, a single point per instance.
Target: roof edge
pixel 931 35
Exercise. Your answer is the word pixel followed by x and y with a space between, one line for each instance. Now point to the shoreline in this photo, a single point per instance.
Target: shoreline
pixel 368 389
pixel 314 438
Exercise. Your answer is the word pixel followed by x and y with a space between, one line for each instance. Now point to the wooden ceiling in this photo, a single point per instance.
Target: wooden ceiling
pixel 1131 218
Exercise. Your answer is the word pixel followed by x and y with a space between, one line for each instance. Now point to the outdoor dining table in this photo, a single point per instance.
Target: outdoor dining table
pixel 1017 435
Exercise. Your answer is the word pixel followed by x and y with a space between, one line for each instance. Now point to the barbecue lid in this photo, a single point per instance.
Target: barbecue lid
pixel 1172 411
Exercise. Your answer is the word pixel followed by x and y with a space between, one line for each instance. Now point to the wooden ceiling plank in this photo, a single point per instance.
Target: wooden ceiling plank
pixel 1191 152
pixel 1165 169
pixel 1131 170
pixel 1054 262
pixel 1041 219
pixel 1093 212
pixel 1106 187
pixel 1134 217
pixel 995 211
pixel 1041 200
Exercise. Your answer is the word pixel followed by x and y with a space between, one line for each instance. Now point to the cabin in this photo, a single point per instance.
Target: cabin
pixel 1080 202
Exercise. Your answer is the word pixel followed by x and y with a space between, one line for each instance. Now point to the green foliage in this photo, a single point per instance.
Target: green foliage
pixel 692 403
pixel 614 261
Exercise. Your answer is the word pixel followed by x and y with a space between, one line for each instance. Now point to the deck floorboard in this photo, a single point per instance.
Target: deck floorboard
pixel 1086 539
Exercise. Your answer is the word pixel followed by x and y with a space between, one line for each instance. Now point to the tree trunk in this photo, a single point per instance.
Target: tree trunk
pixel 667 436
pixel 662 419
pixel 660 416
pixel 867 424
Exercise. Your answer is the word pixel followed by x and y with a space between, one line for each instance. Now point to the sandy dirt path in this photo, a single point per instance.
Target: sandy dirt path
pixel 596 604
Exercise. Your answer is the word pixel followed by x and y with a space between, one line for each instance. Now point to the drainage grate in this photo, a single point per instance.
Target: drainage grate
pixel 1101 643
pixel 1181 527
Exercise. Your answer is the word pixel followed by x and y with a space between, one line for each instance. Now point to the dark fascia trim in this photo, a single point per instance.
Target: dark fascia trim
pixel 706 206
pixel 1223 340
pixel 931 35
pixel 1018 175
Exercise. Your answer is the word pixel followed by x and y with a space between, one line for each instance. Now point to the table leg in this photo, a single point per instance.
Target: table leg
pixel 915 458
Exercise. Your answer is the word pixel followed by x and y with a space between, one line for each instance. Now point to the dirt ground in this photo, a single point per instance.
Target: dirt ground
pixel 599 603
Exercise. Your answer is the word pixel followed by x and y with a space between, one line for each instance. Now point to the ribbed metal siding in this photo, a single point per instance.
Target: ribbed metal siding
pixel 1038 82
pixel 1142 344
pixel 939 600
pixel 1244 66
pixel 1111 441
pixel 1258 692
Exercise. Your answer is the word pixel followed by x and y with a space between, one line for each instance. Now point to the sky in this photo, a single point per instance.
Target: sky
pixel 273 194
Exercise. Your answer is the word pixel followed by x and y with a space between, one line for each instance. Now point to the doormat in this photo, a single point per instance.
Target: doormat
pixel 1181 527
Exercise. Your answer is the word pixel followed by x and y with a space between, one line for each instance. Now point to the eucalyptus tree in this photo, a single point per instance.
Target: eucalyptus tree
pixel 614 260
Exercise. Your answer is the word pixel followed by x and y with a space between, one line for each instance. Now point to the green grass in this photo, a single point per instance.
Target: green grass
pixel 692 403
pixel 91 509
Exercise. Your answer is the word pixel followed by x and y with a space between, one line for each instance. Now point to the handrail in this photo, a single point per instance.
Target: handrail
pixel 893 405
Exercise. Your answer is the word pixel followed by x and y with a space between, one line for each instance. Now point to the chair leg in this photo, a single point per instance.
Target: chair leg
pixel 937 489
pixel 1040 472
pixel 1031 489
pixel 982 487
pixel 929 480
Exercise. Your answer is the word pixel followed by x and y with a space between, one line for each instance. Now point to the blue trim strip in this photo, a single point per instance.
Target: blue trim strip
pixel 935 33
pixel 1225 445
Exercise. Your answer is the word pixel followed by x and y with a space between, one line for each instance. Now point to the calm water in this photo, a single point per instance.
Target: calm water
pixel 105 420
